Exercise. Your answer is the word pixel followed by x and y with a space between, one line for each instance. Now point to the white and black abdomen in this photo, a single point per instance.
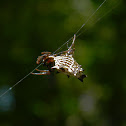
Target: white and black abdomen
pixel 69 66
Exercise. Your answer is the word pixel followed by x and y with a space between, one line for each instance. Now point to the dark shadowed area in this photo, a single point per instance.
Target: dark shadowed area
pixel 29 27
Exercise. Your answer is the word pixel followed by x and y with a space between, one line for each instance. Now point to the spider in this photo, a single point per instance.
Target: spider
pixel 62 62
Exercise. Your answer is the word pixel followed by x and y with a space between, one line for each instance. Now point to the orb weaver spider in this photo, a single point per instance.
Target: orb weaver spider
pixel 62 62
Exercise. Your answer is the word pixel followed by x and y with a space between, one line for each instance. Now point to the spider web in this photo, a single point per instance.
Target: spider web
pixel 77 33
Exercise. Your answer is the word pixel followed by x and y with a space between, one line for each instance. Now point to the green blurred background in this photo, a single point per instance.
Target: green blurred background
pixel 29 27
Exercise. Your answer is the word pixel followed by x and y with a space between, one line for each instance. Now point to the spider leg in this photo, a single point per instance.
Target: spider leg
pixel 40 70
pixel 70 50
pixel 64 52
pixel 39 59
pixel 43 72
pixel 73 41
pixel 45 52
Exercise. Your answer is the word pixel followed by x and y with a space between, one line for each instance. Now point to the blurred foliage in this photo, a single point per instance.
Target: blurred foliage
pixel 30 27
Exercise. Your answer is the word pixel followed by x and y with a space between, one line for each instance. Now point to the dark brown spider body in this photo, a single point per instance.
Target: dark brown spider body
pixel 62 63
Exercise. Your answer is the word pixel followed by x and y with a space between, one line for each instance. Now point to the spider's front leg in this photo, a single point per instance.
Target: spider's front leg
pixel 45 52
pixel 42 72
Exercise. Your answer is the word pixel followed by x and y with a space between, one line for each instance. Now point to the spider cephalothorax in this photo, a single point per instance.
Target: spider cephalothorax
pixel 62 63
